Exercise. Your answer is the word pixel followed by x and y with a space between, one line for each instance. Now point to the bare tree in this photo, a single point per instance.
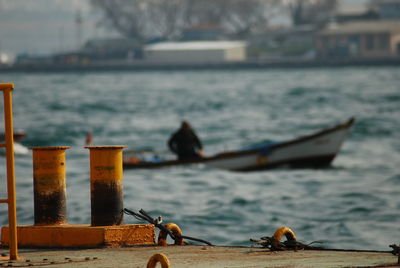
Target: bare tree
pixel 246 15
pixel 128 17
pixel 238 16
pixel 317 12
pixel 167 18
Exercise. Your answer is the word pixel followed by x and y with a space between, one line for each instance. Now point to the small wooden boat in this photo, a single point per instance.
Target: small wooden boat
pixel 312 151
pixel 16 135
pixel 19 149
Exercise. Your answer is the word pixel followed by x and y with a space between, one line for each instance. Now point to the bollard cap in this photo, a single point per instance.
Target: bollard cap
pixel 106 147
pixel 50 148
pixel 6 86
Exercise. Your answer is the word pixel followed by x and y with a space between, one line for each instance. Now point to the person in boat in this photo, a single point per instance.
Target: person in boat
pixel 185 143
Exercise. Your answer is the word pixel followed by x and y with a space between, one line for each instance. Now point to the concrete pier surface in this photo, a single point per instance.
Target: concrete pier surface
pixel 197 256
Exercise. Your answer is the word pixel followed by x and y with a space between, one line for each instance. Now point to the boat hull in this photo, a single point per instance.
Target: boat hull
pixel 313 151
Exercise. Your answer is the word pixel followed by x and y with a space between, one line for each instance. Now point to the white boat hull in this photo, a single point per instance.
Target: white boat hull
pixel 315 150
pixel 319 150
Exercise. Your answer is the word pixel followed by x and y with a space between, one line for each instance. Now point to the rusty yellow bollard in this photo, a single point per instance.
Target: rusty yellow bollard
pixel 49 185
pixel 106 187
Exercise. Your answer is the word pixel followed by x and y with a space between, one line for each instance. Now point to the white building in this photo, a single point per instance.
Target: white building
pixel 196 52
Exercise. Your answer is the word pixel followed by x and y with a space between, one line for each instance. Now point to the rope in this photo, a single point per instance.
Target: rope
pixel 143 215
pixel 272 243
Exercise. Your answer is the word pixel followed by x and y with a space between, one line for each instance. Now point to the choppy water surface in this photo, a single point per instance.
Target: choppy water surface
pixel 355 204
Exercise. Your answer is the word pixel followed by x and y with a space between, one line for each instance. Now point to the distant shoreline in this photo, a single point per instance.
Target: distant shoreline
pixel 153 66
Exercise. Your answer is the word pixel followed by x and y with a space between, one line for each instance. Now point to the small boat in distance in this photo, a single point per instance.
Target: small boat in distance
pixel 316 150
pixel 17 136
pixel 19 149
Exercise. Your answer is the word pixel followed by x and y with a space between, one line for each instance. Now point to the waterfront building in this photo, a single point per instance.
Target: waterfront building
pixel 112 49
pixel 196 52
pixel 387 9
pixel 378 39
pixel 280 42
pixel 205 31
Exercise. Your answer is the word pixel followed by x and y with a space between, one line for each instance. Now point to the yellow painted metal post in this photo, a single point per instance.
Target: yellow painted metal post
pixel 49 186
pixel 11 190
pixel 106 187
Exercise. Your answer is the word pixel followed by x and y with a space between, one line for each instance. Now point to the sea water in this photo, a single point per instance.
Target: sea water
pixel 353 205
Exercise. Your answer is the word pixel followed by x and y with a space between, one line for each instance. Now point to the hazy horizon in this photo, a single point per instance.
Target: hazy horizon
pixel 26 27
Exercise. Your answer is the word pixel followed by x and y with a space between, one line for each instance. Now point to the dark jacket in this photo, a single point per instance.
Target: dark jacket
pixel 185 144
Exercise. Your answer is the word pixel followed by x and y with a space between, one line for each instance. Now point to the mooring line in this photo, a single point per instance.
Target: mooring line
pixel 143 215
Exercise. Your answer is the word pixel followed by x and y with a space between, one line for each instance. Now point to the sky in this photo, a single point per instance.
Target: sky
pixel 45 26
pixel 49 26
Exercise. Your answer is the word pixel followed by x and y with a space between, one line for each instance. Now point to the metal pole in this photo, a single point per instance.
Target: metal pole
pixel 106 187
pixel 11 190
pixel 49 187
